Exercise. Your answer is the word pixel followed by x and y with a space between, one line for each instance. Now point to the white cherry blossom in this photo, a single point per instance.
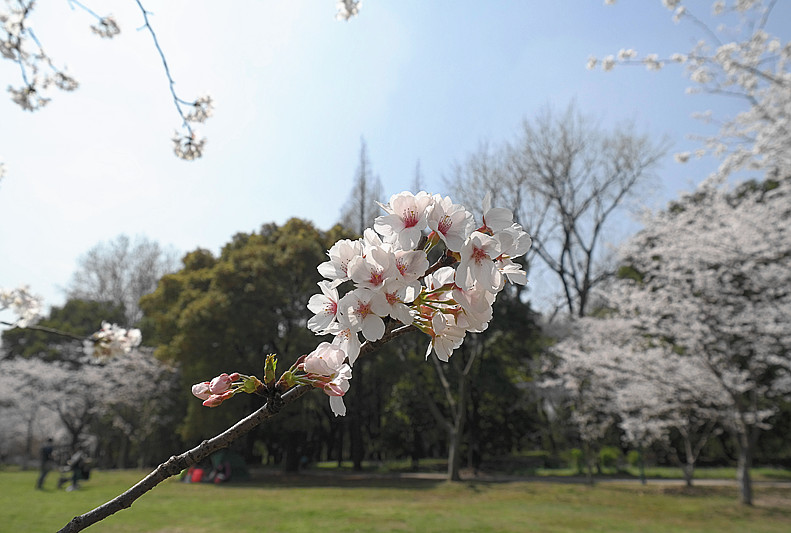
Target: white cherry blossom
pixel 324 306
pixel 356 307
pixel 477 262
pixel 340 254
pixel 406 217
pixel 373 268
pixel 452 222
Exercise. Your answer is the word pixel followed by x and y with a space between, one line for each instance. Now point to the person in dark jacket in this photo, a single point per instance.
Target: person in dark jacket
pixel 45 463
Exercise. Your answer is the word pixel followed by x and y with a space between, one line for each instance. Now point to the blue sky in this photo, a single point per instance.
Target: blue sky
pixel 295 90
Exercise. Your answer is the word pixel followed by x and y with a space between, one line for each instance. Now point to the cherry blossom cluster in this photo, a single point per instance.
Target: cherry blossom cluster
pixel 392 283
pixel 39 74
pixel 111 341
pixel 389 269
pixel 21 302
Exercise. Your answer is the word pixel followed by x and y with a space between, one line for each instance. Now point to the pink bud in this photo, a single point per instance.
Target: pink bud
pixel 216 399
pixel 201 390
pixel 220 384
pixel 213 401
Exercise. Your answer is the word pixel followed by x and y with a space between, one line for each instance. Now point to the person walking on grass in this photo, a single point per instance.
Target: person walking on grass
pixel 45 463
pixel 78 468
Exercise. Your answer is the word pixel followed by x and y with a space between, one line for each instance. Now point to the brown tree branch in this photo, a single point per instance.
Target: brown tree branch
pixel 177 463
pixel 48 330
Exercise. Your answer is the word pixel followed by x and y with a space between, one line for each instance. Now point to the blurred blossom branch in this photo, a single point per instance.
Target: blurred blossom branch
pixel 110 341
pixel 347 9
pixel 105 27
pixel 39 74
pixel 22 303
pixel 186 144
pixel 18 43
pixel 750 64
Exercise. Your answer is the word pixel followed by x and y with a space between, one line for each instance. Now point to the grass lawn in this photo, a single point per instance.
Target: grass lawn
pixel 515 469
pixel 344 504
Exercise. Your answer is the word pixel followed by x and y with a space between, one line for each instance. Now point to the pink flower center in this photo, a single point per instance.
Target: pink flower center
pixel 331 308
pixel 392 299
pixel 363 309
pixel 410 218
pixel 376 278
pixel 401 266
pixel 444 225
pixel 478 255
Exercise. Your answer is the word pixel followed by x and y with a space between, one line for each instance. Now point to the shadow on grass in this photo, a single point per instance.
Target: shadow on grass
pixel 318 479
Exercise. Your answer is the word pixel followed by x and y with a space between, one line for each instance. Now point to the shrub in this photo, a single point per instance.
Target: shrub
pixel 610 456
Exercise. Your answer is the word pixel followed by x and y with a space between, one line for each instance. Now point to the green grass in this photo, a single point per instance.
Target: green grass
pixel 515 468
pixel 345 504
pixel 665 472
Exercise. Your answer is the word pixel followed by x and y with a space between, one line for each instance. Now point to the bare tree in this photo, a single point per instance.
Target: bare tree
pixel 357 214
pixel 360 208
pixel 122 271
pixel 564 177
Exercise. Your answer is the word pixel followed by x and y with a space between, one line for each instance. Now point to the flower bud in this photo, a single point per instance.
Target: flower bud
pixel 220 384
pixel 201 390
pixel 216 399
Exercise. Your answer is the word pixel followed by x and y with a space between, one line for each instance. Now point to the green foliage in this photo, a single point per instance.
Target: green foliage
pixel 77 317
pixel 610 456
pixel 633 458
pixel 576 459
pixel 629 272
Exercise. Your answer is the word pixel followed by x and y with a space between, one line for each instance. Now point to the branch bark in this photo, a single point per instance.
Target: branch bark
pixel 177 463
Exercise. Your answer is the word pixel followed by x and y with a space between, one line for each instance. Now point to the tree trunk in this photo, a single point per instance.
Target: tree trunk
pixel 743 474
pixel 454 449
pixel 123 447
pixel 29 441
pixel 689 469
pixel 417 450
pixel 355 420
pixel 457 432
pixel 587 457
pixel 341 431
pixel 689 463
pixel 641 465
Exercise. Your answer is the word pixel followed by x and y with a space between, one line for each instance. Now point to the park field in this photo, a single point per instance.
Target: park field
pixel 279 504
